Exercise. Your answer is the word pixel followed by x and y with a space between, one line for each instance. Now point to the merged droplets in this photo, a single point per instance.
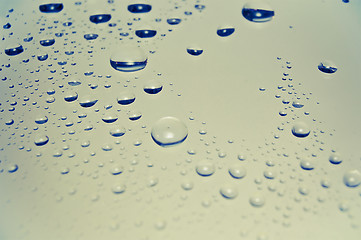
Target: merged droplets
pixel 41 140
pixel 257 11
pixel 51 7
pixel 14 50
pixel 327 67
pixel 352 178
pixel 205 168
pixel 128 59
pixel 169 131
pixel 139 8
pixel 100 18
pixel 225 31
pixel 300 129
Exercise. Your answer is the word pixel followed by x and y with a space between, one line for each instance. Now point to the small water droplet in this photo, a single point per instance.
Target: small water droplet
pixel 335 158
pixel 194 51
pixel 307 164
pixel 352 178
pixel 153 87
pixel 118 188
pixel 205 168
pixel 257 201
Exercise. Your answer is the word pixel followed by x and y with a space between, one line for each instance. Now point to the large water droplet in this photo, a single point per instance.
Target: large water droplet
pixel 169 131
pixel 228 192
pixel 41 119
pixel 128 59
pixel 205 168
pixel 70 96
pixel 257 11
pixel 237 171
pixel 14 50
pixel 139 8
pixel 352 178
pixel 307 164
pixel 41 140
pixel 51 7
pixel 100 18
pixel 300 130
pixel 327 67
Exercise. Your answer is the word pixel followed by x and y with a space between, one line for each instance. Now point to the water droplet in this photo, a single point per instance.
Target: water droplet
pixel 87 101
pixel 169 131
pixel 257 11
pixel 153 87
pixel 47 42
pixel 41 119
pixel 327 67
pixel 74 83
pixel 307 164
pixel 257 201
pixel 71 96
pixel 118 188
pixel 116 170
pixel 126 97
pixel 117 131
pixel 300 130
pixel 100 18
pixel 225 31
pixel 228 192
pixel 42 56
pixel 139 8
pixel 335 158
pixel 128 59
pixel 110 118
pixel 134 115
pixel 194 51
pixel 352 178
pixel 51 7
pixel 13 168
pixel 91 36
pixel 269 174
pixel 205 168
pixel 14 50
pixel 237 171
pixel 297 104
pixel 187 185
pixel 41 140
pixel 173 21
pixel 145 33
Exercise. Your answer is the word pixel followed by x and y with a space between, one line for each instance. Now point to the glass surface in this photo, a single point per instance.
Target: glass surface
pixel 180 119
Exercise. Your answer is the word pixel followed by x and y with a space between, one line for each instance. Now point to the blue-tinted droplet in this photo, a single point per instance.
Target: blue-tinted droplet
pixel 128 59
pixel 145 33
pixel 7 26
pixel 47 42
pixel 28 39
pixel 91 36
pixel 51 7
pixel 139 8
pixel 327 67
pixel 173 21
pixel 13 51
pixel 100 18
pixel 194 51
pixel 42 57
pixel 225 32
pixel 257 11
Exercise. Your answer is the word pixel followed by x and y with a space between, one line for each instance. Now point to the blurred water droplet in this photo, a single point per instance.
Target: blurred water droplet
pixel 173 21
pixel 118 188
pixel 257 201
pixel 205 168
pixel 139 8
pixel 352 178
pixel 13 168
pixel 116 170
pixel 228 192
pixel 51 7
pixel 47 42
pixel 169 131
pixel 307 164
pixel 237 171
pixel 91 36
pixel 335 158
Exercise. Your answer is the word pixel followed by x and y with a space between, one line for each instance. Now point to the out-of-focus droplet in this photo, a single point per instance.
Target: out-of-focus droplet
pixel 47 42
pixel 169 131
pixel 300 129
pixel 297 104
pixel 237 171
pixel 118 188
pixel 327 67
pixel 352 178
pixel 128 59
pixel 257 201
pixel 307 164
pixel 13 168
pixel 335 158
pixel 228 192
pixel 91 36
pixel 257 11
pixel 116 170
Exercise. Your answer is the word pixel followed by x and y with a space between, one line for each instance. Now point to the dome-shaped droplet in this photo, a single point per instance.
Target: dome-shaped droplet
pixel 51 7
pixel 87 101
pixel 194 51
pixel 74 83
pixel 335 158
pixel 41 119
pixel 269 174
pixel 91 36
pixel 173 21
pixel 237 171
pixel 14 50
pixel 153 87
pixel 225 31
pixel 257 201
pixel 146 33
pixel 116 170
pixel 71 96
pixel 117 131
pixel 128 59
pixel 100 18
pixel 228 192
pixel 300 130
pixel 42 56
pixel 327 67
pixel 297 104
pixel 257 11
pixel 169 131
pixel 139 8
pixel 109 118
pixel 307 164
pixel 352 178
pixel 205 168
pixel 47 42
pixel 126 98
pixel 41 140
pixel 118 188
pixel 134 115
pixel 13 168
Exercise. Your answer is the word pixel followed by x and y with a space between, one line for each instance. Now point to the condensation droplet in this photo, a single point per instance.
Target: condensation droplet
pixel 169 131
